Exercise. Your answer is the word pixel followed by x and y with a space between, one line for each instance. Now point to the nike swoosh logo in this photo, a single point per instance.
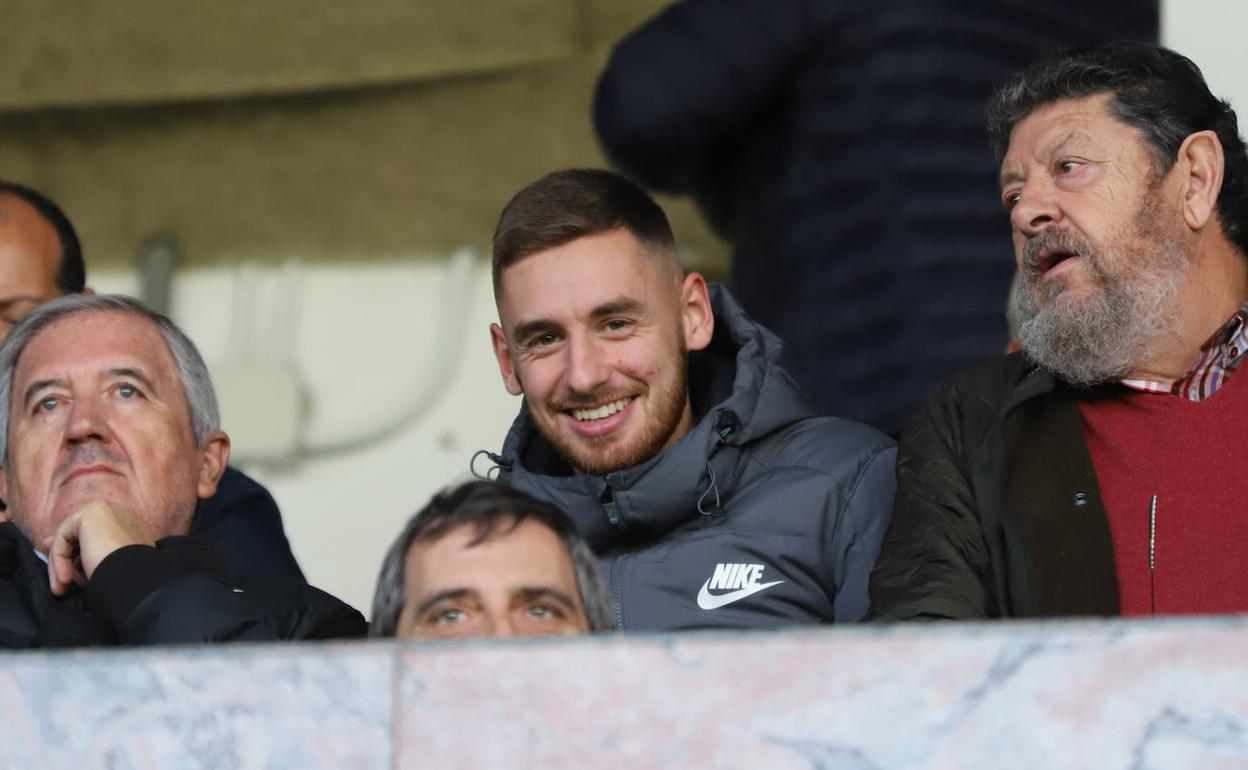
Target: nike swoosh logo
pixel 709 601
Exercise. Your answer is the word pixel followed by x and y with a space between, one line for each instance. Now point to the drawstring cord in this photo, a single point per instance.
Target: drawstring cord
pixel 725 425
pixel 492 472
pixel 712 487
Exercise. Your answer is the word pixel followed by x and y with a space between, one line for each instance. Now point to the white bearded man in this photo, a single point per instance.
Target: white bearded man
pixel 1099 471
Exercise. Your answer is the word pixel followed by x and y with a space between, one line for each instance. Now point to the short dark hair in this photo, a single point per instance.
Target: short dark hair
pixel 490 507
pixel 71 275
pixel 1156 91
pixel 574 203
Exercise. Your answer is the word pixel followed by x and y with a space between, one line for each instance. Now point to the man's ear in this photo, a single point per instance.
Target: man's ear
pixel 506 366
pixel 88 291
pixel 697 318
pixel 1201 158
pixel 213 457
pixel 4 493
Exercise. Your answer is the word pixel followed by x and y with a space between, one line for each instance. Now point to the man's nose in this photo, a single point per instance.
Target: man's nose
pixel 587 367
pixel 1036 208
pixel 86 421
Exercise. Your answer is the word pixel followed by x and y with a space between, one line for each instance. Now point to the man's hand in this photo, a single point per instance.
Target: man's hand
pixel 87 536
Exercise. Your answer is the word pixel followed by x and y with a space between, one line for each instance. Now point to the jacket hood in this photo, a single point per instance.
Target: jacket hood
pixel 739 394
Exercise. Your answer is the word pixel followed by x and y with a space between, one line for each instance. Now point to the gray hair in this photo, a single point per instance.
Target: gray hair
pixel 201 399
pixel 491 507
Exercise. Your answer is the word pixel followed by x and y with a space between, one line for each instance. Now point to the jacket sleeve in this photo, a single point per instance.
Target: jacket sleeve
pixel 686 83
pixel 147 596
pixel 934 562
pixel 860 532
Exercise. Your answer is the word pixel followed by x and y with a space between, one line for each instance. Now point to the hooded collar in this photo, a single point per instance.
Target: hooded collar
pixel 739 394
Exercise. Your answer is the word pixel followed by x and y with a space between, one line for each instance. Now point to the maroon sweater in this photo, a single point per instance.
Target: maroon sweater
pixel 1187 453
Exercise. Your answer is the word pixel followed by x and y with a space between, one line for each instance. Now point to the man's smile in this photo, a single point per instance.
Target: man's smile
pixel 601 412
pixel 592 422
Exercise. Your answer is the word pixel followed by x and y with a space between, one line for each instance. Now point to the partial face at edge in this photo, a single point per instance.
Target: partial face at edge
pixel 98 413
pixel 518 582
pixel 30 256
pixel 595 334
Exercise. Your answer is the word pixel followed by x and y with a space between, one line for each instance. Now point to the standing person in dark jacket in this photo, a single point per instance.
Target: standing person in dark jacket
pixel 656 416
pixel 40 259
pixel 839 145
pixel 109 433
pixel 1100 471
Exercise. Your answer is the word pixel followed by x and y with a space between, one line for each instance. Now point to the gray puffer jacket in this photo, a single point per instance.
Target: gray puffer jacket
pixel 763 515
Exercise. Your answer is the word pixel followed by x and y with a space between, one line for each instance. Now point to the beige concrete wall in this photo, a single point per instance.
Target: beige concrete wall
pixel 316 130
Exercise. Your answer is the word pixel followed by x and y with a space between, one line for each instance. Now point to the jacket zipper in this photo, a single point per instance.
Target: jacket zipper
pixel 616 582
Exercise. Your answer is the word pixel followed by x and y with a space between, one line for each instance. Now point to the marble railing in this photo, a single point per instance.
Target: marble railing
pixel 1157 694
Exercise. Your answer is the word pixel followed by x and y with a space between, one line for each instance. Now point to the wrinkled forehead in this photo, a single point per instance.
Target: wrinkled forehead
pixel 90 342
pixel 1071 125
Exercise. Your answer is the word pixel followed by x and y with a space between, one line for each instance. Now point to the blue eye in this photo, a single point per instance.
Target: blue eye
pixel 451 615
pixel 127 391
pixel 48 404
pixel 542 611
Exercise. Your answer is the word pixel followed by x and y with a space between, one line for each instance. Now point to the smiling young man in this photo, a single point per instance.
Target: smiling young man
pixel 109 435
pixel 1098 472
pixel 655 415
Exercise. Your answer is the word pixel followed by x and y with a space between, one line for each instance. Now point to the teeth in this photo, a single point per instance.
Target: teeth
pixel 598 413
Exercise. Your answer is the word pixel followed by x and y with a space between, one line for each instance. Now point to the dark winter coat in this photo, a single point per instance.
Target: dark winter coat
pixel 175 593
pixel 998 510
pixel 760 490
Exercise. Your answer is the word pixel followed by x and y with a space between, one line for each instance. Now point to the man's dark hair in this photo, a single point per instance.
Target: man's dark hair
pixel 491 508
pixel 71 275
pixel 565 205
pixel 1154 90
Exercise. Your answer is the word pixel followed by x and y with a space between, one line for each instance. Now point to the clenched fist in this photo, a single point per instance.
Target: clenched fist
pixel 88 535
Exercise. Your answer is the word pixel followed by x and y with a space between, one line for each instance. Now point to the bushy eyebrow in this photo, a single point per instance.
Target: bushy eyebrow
pixel 524 593
pixel 553 595
pixel 1074 139
pixel 534 328
pixel 441 596
pixel 617 306
pixel 130 372
pixel 121 372
pixel 37 387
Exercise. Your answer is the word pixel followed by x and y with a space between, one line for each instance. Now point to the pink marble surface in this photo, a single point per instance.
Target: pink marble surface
pixel 1129 695
pixel 1123 695
pixel 241 706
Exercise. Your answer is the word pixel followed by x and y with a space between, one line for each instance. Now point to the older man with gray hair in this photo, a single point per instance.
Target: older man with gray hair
pixel 109 434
